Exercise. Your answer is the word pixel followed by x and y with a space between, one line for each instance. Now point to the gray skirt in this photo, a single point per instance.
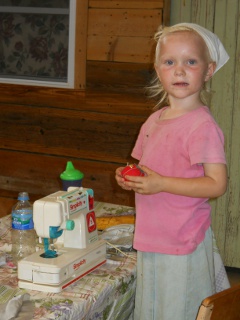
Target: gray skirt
pixel 172 287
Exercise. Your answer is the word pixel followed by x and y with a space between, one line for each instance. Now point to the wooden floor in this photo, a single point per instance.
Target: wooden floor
pixel 233 275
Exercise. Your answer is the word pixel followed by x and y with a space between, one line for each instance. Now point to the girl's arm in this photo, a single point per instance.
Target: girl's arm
pixel 212 185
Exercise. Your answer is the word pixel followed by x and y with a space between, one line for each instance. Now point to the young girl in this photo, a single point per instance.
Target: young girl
pixel 181 150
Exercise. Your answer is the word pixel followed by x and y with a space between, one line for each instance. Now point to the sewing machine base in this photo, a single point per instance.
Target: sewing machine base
pixel 55 274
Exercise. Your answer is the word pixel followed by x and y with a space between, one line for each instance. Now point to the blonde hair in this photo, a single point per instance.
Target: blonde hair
pixel 155 89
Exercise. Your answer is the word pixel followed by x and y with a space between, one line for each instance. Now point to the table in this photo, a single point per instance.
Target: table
pixel 107 293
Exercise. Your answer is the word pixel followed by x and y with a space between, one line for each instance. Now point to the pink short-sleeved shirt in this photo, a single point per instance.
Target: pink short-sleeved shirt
pixel 168 223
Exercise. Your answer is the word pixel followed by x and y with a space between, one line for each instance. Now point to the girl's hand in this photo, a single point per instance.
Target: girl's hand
pixel 120 180
pixel 151 183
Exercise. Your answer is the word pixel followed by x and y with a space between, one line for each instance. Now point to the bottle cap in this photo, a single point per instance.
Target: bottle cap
pixel 23 196
pixel 71 174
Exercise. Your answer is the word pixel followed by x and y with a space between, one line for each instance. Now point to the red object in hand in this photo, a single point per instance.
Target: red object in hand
pixel 132 170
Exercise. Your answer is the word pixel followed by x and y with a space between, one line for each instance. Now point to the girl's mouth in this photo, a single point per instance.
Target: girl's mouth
pixel 180 84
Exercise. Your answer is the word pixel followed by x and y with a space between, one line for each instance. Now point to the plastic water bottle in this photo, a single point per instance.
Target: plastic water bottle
pixel 23 233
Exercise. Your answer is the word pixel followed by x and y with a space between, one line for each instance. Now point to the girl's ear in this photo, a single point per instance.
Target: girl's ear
pixel 210 72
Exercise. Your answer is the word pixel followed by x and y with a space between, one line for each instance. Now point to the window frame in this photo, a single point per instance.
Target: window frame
pixel 77 47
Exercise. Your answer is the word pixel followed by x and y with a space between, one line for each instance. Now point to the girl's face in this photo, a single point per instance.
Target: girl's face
pixel 183 65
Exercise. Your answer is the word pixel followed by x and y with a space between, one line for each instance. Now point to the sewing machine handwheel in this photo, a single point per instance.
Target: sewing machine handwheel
pixel 70 225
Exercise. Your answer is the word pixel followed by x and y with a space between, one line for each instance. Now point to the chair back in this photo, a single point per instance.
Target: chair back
pixel 224 305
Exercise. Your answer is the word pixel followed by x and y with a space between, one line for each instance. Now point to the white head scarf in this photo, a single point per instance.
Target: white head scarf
pixel 216 49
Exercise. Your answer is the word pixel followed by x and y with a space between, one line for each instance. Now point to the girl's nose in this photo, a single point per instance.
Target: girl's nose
pixel 179 70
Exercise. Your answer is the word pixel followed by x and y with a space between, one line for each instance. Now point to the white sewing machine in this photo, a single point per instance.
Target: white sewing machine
pixel 67 219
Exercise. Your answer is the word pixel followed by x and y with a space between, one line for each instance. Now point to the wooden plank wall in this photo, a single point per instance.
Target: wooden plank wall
pixel 42 128
pixel 222 17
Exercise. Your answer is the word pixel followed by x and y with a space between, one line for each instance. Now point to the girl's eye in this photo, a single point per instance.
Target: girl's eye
pixel 169 62
pixel 192 62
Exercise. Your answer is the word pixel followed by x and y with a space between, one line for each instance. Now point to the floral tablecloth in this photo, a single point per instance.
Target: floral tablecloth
pixel 103 209
pixel 107 293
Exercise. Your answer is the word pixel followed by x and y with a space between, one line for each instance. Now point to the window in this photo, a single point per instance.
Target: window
pixel 37 42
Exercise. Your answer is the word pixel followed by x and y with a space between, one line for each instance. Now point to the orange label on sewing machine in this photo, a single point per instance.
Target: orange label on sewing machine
pixel 91 221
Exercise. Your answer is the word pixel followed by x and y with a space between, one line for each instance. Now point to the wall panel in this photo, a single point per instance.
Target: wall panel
pixel 42 128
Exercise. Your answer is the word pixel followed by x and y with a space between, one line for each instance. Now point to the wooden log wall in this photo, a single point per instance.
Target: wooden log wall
pixel 43 128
